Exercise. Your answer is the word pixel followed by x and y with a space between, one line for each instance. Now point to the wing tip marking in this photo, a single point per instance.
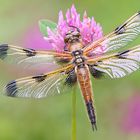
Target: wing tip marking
pixel 11 89
pixel 3 51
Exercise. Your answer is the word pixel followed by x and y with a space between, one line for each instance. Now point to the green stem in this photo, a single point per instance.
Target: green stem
pixel 74 114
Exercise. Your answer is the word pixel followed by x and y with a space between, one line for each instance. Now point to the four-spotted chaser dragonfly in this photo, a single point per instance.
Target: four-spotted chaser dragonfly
pixel 77 64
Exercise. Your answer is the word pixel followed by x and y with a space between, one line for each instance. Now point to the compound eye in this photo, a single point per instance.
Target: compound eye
pixel 76 33
pixel 66 40
pixel 69 32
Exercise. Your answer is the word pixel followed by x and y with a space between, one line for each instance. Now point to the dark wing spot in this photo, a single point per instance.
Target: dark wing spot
pixel 120 54
pixel 39 78
pixel 71 78
pixel 120 29
pixel 3 50
pixel 11 89
pixel 30 52
pixel 138 12
pixel 95 73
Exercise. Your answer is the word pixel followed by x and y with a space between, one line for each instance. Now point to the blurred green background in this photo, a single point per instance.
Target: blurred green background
pixel 50 119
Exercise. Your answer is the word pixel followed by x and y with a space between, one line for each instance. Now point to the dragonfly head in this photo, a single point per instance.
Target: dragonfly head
pixel 73 35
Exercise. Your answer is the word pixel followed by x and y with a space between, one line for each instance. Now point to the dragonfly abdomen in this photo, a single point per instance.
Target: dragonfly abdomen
pixel 83 77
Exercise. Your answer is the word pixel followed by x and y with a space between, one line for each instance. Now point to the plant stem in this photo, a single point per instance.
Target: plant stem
pixel 74 113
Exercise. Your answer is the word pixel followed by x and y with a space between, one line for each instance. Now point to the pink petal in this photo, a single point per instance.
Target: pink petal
pixel 90 30
pixel 61 18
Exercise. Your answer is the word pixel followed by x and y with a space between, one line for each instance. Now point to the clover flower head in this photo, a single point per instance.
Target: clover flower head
pixel 89 29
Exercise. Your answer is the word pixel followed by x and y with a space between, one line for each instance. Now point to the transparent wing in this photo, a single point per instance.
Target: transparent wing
pixel 39 86
pixel 30 57
pixel 118 65
pixel 120 37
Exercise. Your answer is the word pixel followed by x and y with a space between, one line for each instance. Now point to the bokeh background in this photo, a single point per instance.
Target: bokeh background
pixel 117 101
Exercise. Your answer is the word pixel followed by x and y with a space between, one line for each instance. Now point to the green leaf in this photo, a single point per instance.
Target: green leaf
pixel 43 24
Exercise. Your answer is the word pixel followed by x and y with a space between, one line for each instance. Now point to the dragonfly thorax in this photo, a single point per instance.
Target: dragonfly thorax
pixel 79 60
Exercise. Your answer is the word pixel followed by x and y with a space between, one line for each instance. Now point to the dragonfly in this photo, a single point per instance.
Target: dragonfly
pixel 76 64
